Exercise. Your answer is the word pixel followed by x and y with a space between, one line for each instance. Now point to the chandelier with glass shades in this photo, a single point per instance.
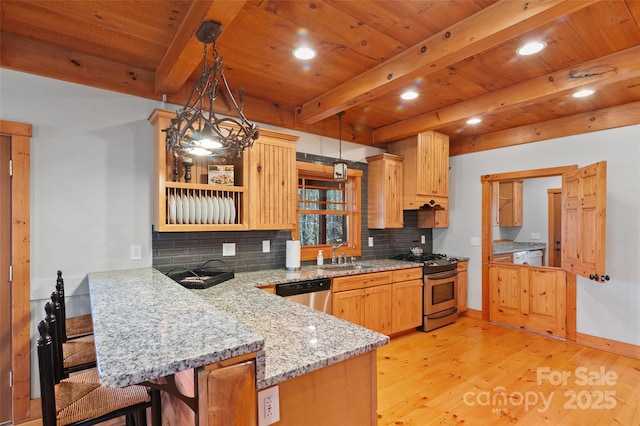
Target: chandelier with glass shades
pixel 196 130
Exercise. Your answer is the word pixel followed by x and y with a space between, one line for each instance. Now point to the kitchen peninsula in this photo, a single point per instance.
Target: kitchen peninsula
pixel 149 329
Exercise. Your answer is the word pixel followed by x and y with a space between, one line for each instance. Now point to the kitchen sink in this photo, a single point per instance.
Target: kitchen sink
pixel 345 267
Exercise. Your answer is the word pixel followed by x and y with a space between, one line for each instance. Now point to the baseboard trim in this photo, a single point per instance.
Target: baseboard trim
pixel 472 313
pixel 608 345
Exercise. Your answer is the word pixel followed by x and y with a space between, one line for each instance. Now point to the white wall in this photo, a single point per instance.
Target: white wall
pixel 605 310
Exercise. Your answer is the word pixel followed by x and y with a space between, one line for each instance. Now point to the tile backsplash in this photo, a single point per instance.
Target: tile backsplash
pixel 179 250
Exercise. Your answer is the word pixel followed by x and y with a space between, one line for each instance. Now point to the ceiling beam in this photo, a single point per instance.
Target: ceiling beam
pixel 486 29
pixel 603 119
pixel 608 69
pixel 35 57
pixel 185 51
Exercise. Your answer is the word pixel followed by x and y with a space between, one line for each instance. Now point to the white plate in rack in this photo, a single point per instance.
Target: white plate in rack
pixel 192 209
pixel 203 209
pixel 185 209
pixel 179 209
pixel 172 209
pixel 232 217
pixel 216 210
pixel 198 210
pixel 227 210
pixel 209 209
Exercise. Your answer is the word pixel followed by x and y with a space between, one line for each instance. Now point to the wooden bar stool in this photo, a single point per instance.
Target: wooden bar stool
pixel 73 327
pixel 81 400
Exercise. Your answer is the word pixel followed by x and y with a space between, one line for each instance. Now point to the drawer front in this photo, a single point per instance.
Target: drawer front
pixel 407 274
pixel 353 282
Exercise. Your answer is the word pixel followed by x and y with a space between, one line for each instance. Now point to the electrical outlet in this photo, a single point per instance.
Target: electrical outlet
pixel 268 406
pixel 266 246
pixel 423 239
pixel 135 252
pixel 370 241
pixel 228 249
pixel 475 241
pixel 535 235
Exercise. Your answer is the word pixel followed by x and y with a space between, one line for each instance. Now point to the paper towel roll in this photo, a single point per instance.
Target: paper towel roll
pixel 293 255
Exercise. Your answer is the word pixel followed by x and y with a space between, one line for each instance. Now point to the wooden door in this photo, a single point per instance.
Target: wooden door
pixel 584 221
pixel 377 308
pixel 529 297
pixel 5 284
pixel 17 136
pixel 554 198
pixel 349 305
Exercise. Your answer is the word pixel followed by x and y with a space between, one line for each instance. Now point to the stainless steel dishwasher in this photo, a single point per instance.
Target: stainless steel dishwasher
pixel 315 293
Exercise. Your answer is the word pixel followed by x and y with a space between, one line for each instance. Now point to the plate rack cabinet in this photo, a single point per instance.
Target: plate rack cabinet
pixel 170 186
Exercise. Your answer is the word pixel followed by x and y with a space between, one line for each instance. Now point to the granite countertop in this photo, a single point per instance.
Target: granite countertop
pixel 513 246
pixel 146 339
pixel 297 339
pixel 147 326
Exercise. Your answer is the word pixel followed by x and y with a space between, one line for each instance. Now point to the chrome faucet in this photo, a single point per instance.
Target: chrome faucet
pixel 333 253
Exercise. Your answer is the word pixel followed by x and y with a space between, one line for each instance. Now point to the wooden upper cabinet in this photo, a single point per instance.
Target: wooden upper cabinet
pixel 426 176
pixel 262 194
pixel 385 184
pixel 272 190
pixel 510 203
pixel 584 221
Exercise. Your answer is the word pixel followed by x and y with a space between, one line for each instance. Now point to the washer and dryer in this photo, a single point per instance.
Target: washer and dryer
pixel 528 257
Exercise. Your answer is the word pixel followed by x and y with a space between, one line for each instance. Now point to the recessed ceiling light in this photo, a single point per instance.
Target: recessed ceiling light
pixel 409 94
pixel 304 53
pixel 531 48
pixel 583 93
pixel 474 120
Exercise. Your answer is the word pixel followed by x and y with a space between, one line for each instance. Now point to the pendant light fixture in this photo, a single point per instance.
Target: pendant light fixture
pixel 340 167
pixel 196 130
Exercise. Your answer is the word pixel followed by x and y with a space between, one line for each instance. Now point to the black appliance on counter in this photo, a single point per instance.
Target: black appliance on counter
pixel 440 288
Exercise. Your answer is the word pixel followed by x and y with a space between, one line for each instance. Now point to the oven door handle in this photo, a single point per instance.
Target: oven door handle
pixel 443 314
pixel 442 275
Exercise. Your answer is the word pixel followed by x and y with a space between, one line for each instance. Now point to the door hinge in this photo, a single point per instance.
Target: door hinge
pixel 10 167
pixel 10 273
pixel 10 379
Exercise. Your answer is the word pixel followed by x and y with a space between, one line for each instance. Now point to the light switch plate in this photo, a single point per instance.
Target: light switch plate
pixel 266 246
pixel 423 239
pixel 228 249
pixel 475 241
pixel 370 241
pixel 535 235
pixel 135 252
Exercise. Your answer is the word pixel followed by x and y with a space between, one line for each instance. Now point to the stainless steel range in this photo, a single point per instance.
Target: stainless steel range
pixel 440 290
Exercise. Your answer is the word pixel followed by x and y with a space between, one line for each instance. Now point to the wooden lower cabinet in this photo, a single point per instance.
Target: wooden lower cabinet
pixel 387 302
pixel 462 285
pixel 377 308
pixel 222 394
pixel 407 305
pixel 502 258
pixel 349 305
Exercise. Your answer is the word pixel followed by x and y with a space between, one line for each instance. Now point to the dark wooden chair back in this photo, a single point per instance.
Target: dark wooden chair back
pixel 47 378
pixel 54 341
pixel 63 311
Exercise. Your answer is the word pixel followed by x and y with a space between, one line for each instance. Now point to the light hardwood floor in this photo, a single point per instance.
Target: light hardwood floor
pixel 476 373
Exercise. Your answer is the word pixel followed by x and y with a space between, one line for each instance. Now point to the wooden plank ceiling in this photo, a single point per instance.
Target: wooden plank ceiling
pixel 458 54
